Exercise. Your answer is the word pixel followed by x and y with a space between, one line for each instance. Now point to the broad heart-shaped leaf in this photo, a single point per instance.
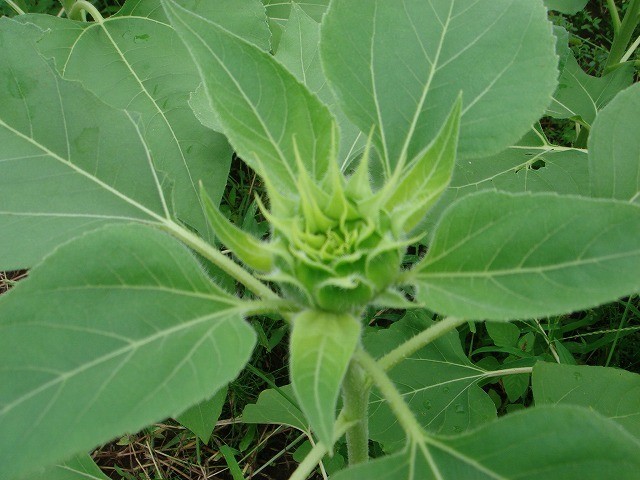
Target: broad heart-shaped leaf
pixel 276 407
pixel 614 148
pixel 539 443
pixel 247 19
pixel 299 52
pixel 68 162
pixel 401 65
pixel 321 347
pixel 113 331
pixel 201 418
pixel 568 7
pixel 519 169
pixel 139 64
pixel 438 382
pixel 580 96
pixel 265 112
pixel 498 256
pixel 81 467
pixel 611 392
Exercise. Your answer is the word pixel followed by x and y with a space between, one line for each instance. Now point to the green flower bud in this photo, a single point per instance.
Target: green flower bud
pixel 336 252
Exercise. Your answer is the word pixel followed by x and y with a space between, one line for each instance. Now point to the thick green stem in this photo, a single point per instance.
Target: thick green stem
pixel 75 12
pixel 615 16
pixel 391 394
pixel 420 340
pixel 355 395
pixel 622 39
pixel 221 261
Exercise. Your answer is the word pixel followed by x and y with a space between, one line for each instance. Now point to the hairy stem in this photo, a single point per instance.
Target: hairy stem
pixel 615 16
pixel 318 451
pixel 75 13
pixel 622 39
pixel 221 261
pixel 401 410
pixel 420 340
pixel 356 403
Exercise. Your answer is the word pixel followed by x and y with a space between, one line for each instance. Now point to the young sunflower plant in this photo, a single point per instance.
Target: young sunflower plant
pixel 117 135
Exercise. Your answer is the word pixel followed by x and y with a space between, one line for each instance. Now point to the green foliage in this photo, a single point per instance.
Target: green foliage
pixel 117 139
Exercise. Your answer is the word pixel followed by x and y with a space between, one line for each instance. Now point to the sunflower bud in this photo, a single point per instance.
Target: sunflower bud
pixel 336 251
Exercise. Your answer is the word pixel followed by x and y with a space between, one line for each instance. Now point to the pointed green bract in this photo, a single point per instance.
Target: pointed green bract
pixel 262 108
pixel 124 319
pixel 68 162
pixel 569 443
pixel 500 54
pixel 322 344
pixel 614 149
pixel 245 246
pixel 611 392
pixel 423 182
pixel 498 256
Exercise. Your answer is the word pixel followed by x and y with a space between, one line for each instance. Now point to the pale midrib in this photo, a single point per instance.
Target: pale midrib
pixel 151 288
pixel 83 173
pixel 133 346
pixel 425 274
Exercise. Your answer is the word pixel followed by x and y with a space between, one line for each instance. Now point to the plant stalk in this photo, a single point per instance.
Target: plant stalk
pixel 76 11
pixel 615 16
pixel 221 261
pixel 622 39
pixel 391 394
pixel 15 7
pixel 420 340
pixel 355 394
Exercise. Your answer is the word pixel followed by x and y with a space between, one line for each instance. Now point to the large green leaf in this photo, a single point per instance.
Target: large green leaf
pixel 519 169
pixel 276 407
pixel 265 112
pixel 580 96
pixel 569 7
pixel 438 382
pixel 68 162
pixel 81 467
pixel 299 51
pixel 125 62
pixel 614 148
pixel 499 256
pixel 322 344
pixel 401 65
pixel 115 330
pixel 279 12
pixel 247 19
pixel 555 443
pixel 611 392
